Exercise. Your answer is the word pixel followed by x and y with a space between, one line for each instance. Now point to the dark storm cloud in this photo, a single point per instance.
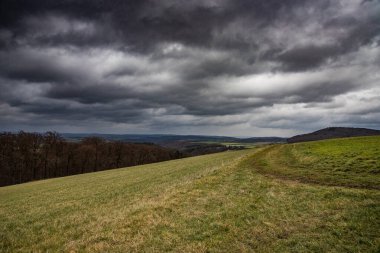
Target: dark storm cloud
pixel 148 21
pixel 303 58
pixel 176 63
pixel 34 67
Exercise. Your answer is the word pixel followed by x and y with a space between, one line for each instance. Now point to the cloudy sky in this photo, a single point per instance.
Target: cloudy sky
pixel 220 67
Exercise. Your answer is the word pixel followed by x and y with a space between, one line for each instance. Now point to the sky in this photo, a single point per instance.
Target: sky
pixel 211 67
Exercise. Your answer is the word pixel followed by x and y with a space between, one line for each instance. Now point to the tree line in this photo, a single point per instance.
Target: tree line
pixel 33 156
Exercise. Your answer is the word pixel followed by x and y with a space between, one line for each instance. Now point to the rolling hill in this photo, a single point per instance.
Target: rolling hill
pixel 170 138
pixel 333 132
pixel 307 197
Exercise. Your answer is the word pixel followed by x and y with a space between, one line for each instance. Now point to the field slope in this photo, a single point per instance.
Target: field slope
pixel 350 162
pixel 256 200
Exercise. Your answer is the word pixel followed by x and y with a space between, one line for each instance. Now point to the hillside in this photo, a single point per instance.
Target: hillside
pixel 235 201
pixel 262 140
pixel 333 132
pixel 150 138
pixel 350 162
pixel 164 139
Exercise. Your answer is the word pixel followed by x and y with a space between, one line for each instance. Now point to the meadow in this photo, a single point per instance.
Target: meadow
pixel 351 162
pixel 309 197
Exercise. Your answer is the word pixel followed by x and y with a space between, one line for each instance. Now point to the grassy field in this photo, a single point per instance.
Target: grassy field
pixel 236 201
pixel 351 162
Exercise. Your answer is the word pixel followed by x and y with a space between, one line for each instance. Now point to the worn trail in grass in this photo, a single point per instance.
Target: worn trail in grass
pixel 350 162
pixel 212 203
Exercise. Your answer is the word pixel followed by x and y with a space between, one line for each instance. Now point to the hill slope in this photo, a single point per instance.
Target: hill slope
pixel 351 162
pixel 333 132
pixel 213 203
pixel 168 138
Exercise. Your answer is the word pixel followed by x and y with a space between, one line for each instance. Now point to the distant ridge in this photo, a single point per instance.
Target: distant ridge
pixel 333 132
pixel 165 138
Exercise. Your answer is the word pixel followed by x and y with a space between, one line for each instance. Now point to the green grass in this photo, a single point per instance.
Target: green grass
pixel 213 203
pixel 352 162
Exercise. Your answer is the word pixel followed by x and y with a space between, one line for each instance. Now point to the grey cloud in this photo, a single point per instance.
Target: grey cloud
pixel 171 64
pixel 303 58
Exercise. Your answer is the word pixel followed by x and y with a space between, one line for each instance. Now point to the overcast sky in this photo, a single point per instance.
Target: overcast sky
pixel 215 67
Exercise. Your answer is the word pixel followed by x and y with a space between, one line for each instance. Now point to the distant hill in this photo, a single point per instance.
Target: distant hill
pixel 263 139
pixel 168 138
pixel 151 138
pixel 333 132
